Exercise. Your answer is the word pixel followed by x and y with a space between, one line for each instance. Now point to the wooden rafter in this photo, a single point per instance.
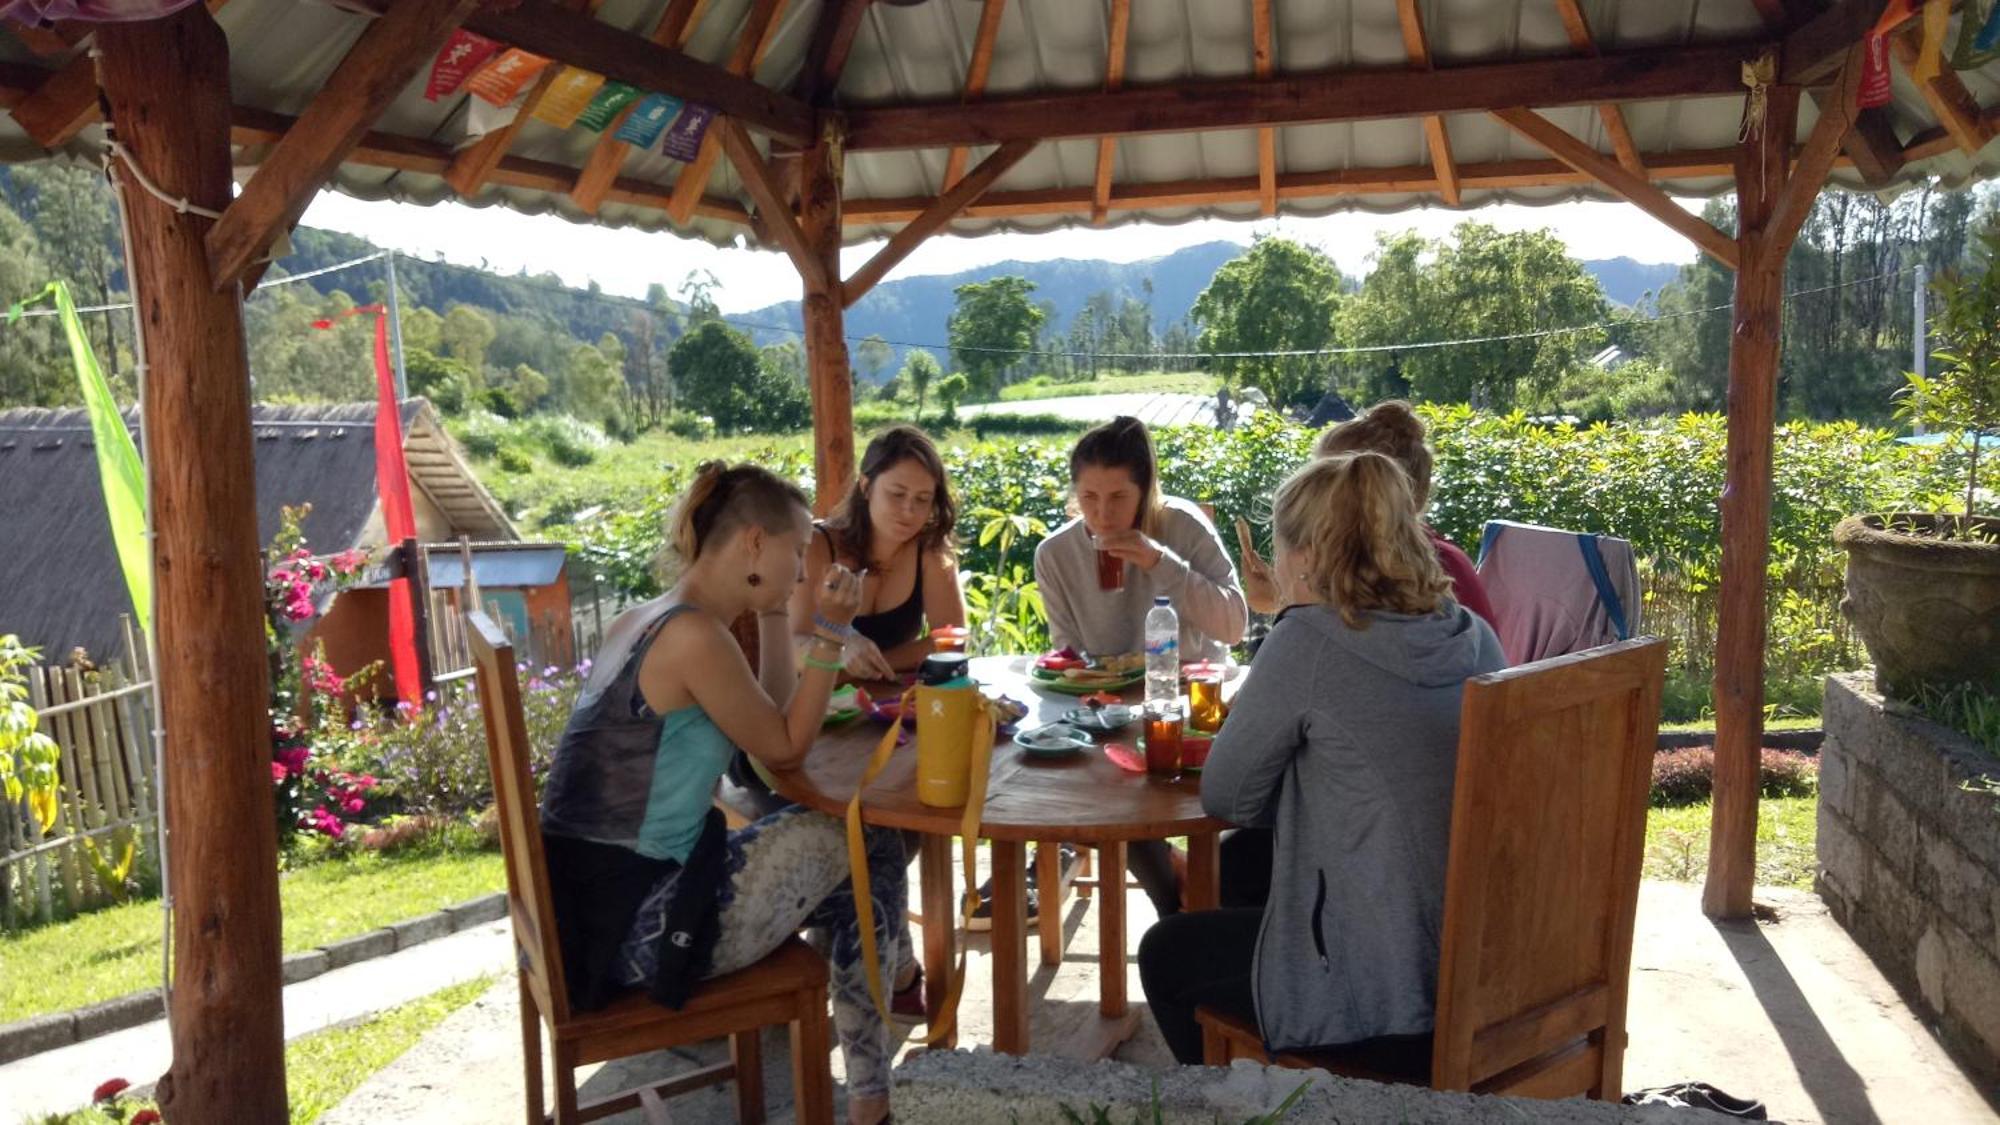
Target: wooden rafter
pixel 1815 49
pixel 389 53
pixel 1836 117
pixel 1114 79
pixel 750 48
pixel 1267 137
pixel 47 41
pixel 976 71
pixel 1871 142
pixel 66 103
pixel 1954 106
pixel 1577 26
pixel 475 162
pixel 826 57
pixel 1436 137
pixel 1357 94
pixel 780 223
pixel 1634 189
pixel 607 157
pixel 551 30
pixel 933 218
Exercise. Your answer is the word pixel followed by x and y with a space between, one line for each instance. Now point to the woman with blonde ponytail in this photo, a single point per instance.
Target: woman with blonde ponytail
pixel 650 890
pixel 1343 742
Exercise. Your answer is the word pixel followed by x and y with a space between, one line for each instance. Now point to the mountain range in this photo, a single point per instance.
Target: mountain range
pixel 915 310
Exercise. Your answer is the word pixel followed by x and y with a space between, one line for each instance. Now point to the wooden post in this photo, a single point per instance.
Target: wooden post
pixel 1746 512
pixel 826 343
pixel 167 81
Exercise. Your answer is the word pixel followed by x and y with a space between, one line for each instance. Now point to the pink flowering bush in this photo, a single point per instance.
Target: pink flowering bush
pixel 312 792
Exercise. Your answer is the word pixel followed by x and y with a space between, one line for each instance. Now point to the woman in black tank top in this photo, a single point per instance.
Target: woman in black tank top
pixel 895 528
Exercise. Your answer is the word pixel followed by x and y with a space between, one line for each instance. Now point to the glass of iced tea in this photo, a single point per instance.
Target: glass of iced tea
pixel 1206 707
pixel 1163 740
pixel 1110 568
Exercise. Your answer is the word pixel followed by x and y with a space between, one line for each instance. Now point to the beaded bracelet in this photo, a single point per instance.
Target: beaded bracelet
pixel 841 631
pixel 824 665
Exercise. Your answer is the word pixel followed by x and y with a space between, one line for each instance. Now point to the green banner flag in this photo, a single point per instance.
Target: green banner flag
pixel 118 465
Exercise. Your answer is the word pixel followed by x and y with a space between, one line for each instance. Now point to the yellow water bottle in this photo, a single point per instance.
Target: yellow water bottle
pixel 947 706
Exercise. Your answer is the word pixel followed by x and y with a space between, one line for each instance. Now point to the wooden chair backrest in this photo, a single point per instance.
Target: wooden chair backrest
pixel 507 752
pixel 1548 826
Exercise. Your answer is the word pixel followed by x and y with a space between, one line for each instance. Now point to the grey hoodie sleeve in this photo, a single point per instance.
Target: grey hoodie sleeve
pixel 1266 728
pixel 1196 573
pixel 1055 599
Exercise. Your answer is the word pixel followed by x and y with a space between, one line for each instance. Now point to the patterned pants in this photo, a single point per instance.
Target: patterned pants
pixel 785 873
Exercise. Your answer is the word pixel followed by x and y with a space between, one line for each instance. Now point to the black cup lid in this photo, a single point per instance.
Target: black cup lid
pixel 944 667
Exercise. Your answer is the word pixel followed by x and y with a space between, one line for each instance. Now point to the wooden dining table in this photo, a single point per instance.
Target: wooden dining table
pixel 1081 798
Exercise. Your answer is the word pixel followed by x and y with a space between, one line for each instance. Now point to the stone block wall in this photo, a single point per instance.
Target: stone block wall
pixel 1910 861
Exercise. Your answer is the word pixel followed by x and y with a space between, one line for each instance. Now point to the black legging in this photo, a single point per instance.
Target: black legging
pixel 1195 960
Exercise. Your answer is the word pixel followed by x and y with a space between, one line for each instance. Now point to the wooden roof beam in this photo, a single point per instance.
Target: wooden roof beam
pixel 389 53
pixel 553 31
pixel 933 218
pixel 1808 175
pixel 1114 79
pixel 750 48
pixel 66 103
pixel 1812 52
pixel 781 225
pixel 1358 94
pixel 1954 106
pixel 826 57
pixel 976 72
pixel 476 162
pixel 1871 142
pixel 1436 137
pixel 1261 62
pixel 607 156
pixel 1577 26
pixel 1636 190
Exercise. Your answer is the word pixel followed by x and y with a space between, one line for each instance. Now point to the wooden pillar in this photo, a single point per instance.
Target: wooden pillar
pixel 1746 512
pixel 826 343
pixel 167 81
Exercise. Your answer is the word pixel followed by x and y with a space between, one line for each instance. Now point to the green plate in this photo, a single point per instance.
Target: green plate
pixel 1056 683
pixel 839 718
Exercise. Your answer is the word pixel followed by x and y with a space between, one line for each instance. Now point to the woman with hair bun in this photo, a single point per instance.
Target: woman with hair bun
pixel 1393 429
pixel 650 891
pixel 1344 741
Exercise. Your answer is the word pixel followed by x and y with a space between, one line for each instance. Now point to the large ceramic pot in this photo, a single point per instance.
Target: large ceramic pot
pixel 1928 608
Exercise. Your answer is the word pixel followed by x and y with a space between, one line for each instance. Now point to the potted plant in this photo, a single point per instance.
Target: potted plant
pixel 1923 588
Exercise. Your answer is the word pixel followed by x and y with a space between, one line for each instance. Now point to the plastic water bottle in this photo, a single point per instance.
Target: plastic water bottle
pixel 1163 655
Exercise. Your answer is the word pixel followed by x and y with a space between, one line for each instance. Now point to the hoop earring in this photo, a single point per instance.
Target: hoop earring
pixel 755 579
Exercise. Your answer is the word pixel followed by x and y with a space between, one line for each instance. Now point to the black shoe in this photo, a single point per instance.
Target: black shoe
pixel 981 919
pixel 1699 1095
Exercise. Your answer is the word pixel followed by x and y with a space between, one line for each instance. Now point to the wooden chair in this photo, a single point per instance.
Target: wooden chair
pixel 1548 826
pixel 788 987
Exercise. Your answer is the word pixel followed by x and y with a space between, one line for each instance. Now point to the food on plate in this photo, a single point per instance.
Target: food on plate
pixel 1087 671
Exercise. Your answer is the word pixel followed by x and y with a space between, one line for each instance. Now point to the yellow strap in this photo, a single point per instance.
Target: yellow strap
pixel 857 863
pixel 1937 17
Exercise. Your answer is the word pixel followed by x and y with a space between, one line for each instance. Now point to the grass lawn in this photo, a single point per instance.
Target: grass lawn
pixel 326 1066
pixel 1150 382
pixel 1780 722
pixel 1677 842
pixel 112 952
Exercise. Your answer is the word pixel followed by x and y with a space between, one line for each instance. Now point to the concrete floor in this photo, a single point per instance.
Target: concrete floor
pixel 1789 1011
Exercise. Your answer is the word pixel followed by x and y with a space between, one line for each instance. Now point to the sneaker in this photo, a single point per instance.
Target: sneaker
pixel 981 920
pixel 907 1005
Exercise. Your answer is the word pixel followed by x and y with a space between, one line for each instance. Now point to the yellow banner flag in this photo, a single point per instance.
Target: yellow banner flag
pixel 568 96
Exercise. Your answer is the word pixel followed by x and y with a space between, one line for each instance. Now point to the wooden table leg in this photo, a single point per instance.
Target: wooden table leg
pixel 940 924
pixel 1204 880
pixel 1010 947
pixel 1111 930
pixel 1049 890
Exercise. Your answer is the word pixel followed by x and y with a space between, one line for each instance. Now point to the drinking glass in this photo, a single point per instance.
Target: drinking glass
pixel 1206 707
pixel 1163 740
pixel 1110 568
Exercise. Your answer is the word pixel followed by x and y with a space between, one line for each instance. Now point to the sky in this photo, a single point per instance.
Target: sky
pixel 627 261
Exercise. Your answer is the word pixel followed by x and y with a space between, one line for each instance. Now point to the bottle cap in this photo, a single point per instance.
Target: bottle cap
pixel 942 668
pixel 1162 600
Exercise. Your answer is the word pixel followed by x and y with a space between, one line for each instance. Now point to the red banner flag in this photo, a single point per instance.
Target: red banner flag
pixel 399 523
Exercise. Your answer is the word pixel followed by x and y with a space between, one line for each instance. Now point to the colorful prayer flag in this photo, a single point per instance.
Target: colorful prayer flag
pixel 611 97
pixel 647 122
pixel 501 80
pixel 568 96
pixel 684 139
pixel 463 54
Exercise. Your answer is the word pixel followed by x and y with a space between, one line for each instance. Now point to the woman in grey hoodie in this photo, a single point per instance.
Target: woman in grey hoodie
pixel 1344 740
